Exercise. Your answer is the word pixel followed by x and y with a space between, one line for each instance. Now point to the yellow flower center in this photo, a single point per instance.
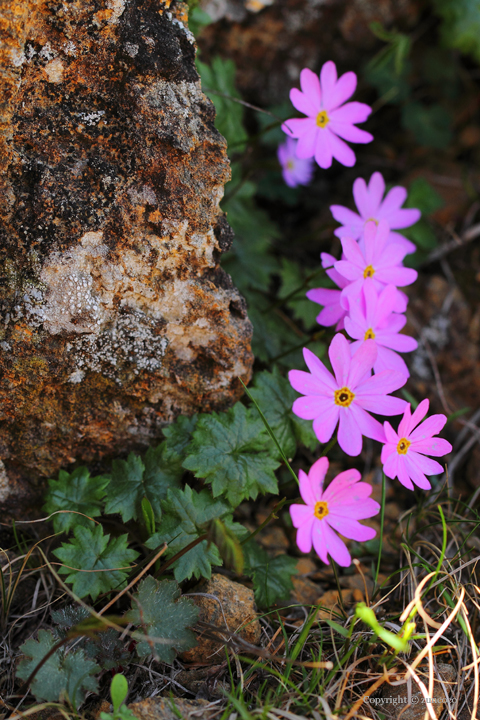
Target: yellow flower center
pixel 322 119
pixel 321 510
pixel 371 220
pixel 290 165
pixel 369 271
pixel 343 397
pixel 403 445
pixel 369 335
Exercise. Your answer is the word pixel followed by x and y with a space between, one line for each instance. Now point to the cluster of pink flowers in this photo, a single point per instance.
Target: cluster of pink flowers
pixel 369 306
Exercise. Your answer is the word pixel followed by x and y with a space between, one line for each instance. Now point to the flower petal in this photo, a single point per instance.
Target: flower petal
pixel 328 81
pixel 316 476
pixel 303 103
pixel 349 433
pixel 304 535
pixel 312 406
pixel 350 133
pixel 371 428
pixel 295 127
pixel 342 483
pixel 307 142
pixel 325 424
pixel 438 447
pixel 344 88
pixel 416 474
pixel 363 201
pixel 425 464
pixel 318 369
pixel 389 360
pixel 381 384
pixel 350 528
pixel 300 514
pixel 310 84
pixel 339 354
pixel 336 548
pixel 349 219
pixel 430 426
pixel 307 384
pixel 350 114
pixel 341 151
pixel 361 363
pixel 319 540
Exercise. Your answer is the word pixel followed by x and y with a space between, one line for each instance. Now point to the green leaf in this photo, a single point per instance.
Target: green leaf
pixel 249 262
pixel 185 512
pixel 197 20
pixel 63 676
pixel 461 24
pixel 75 491
pixel 118 690
pixel 134 479
pixel 218 83
pixel 92 550
pixel 292 277
pixel 272 577
pixel 422 195
pixel 392 86
pixel 430 124
pixel 69 616
pixel 108 649
pixel 177 438
pixel 275 397
pixel 233 452
pixel 164 618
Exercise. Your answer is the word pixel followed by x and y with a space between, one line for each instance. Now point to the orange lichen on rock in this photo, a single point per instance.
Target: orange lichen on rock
pixel 116 316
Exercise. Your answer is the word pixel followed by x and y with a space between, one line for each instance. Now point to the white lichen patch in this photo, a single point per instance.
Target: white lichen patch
pixel 47 52
pixel 117 7
pixel 18 57
pixel 131 343
pixel 54 71
pixel 5 489
pixel 69 48
pixel 91 118
pixel 77 376
pixel 131 49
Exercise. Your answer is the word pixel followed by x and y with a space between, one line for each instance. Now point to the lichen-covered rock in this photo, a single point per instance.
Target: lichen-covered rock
pixel 114 314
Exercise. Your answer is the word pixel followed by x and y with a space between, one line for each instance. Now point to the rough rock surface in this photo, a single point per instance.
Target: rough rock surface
pixel 172 708
pixel 235 606
pixel 114 314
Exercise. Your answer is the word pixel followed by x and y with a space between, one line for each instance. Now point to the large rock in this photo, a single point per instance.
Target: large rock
pixel 114 314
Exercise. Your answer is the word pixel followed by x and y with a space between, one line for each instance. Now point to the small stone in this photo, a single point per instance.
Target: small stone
pixel 158 708
pixel 306 566
pixel 235 607
pixel 305 591
pixel 274 540
pixel 330 603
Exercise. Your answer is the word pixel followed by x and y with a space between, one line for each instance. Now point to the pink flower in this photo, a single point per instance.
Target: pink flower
pixel 327 119
pixel 348 397
pixel 403 455
pixel 333 313
pixel 295 171
pixel 372 206
pixel 339 507
pixel 373 318
pixel 380 261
